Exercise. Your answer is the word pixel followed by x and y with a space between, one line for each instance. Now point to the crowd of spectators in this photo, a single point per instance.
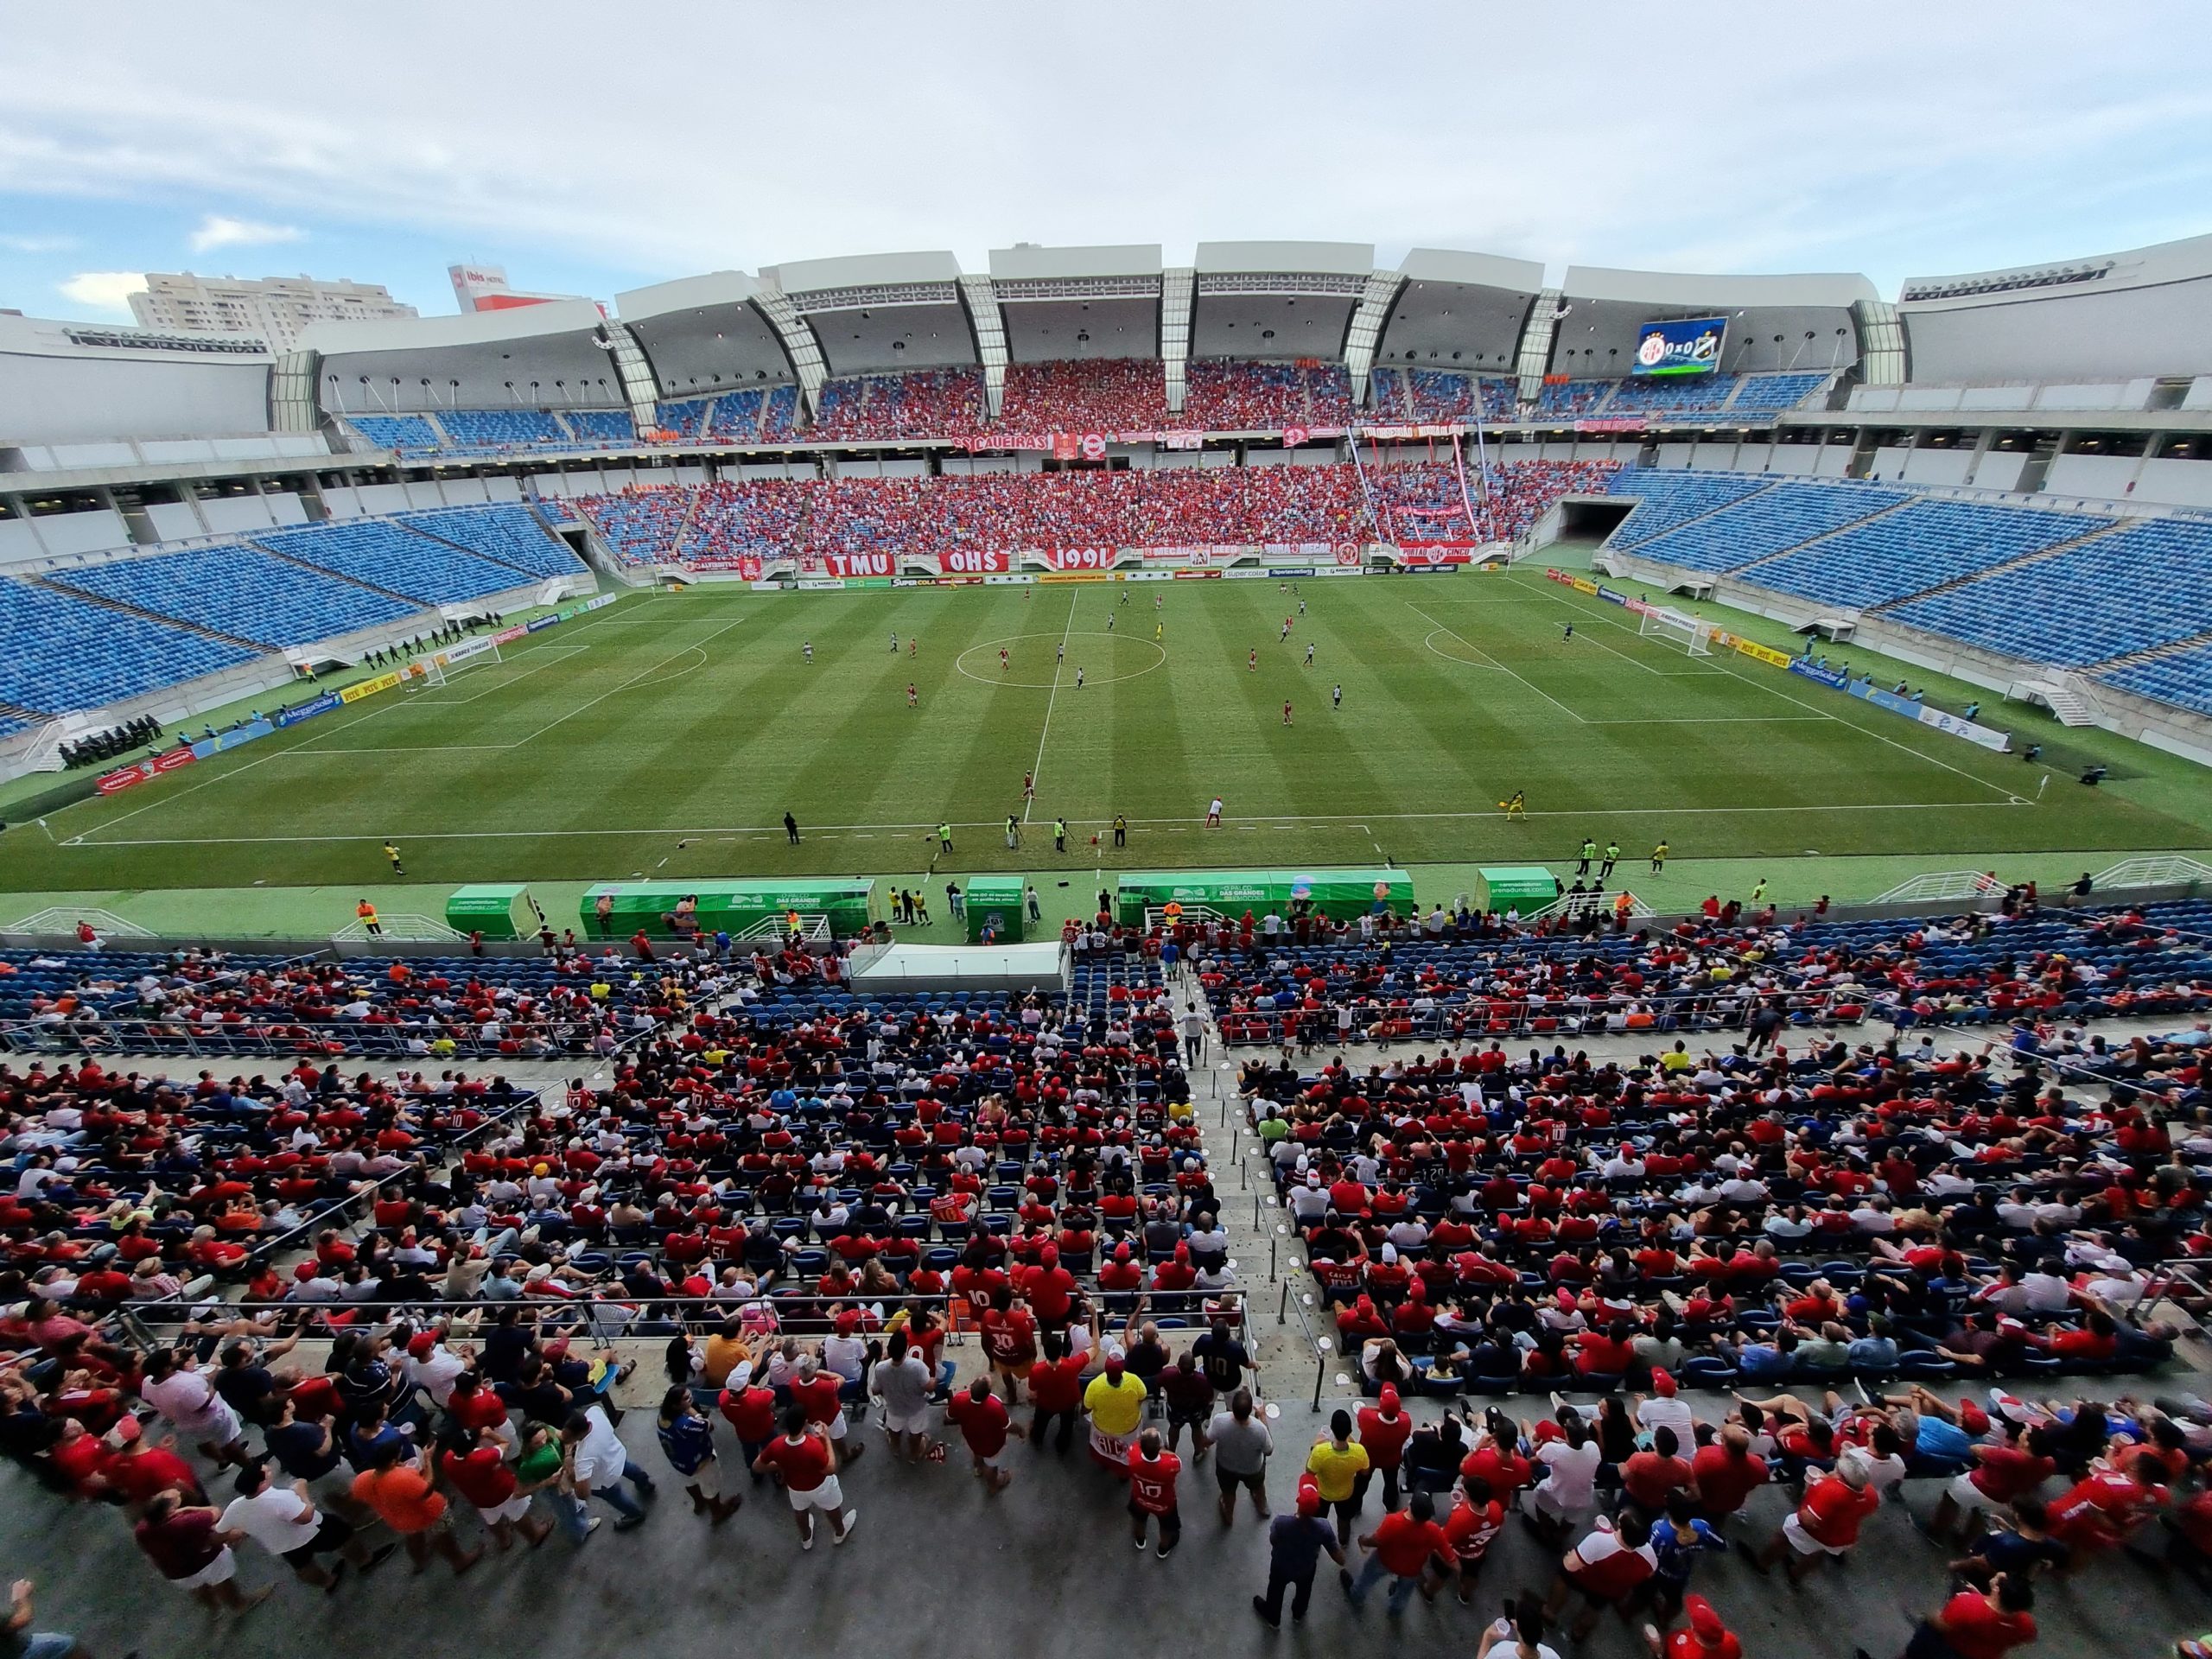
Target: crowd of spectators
pixel 1103 394
pixel 1226 396
pixel 717 524
pixel 1448 977
pixel 211 1003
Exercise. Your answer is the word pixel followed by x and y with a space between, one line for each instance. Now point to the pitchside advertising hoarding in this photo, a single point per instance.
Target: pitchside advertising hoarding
pixel 1687 348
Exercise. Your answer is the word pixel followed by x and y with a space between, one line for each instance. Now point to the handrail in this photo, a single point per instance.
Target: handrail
pixel 262 1039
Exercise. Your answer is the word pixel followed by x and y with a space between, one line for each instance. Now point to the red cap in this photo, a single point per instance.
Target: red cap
pixel 1389 1397
pixel 421 1344
pixel 848 1321
pixel 1703 1620
pixel 1113 1364
pixel 1049 1256
pixel 1663 1384
pixel 1309 1496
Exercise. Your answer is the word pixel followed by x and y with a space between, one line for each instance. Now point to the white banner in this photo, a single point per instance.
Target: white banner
pixel 2001 741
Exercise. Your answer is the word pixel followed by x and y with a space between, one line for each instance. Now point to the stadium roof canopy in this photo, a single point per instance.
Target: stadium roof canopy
pixel 1774 322
pixel 553 355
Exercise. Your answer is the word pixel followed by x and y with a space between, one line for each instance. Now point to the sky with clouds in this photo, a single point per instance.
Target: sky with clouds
pixel 591 149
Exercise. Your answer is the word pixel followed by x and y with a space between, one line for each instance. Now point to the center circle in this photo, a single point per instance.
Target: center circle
pixel 1032 668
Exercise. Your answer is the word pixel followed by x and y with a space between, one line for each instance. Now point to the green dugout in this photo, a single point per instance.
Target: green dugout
pixel 1504 885
pixel 727 906
pixel 1343 894
pixel 498 910
pixel 995 900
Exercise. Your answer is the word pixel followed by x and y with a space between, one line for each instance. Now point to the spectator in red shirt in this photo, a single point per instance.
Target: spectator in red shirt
pixel 1608 1566
pixel 981 1418
pixel 1384 1428
pixel 1826 1523
pixel 1651 1476
pixel 1977 1624
pixel 188 1547
pixel 1152 1471
pixel 1403 1544
pixel 1704 1637
pixel 1726 1473
pixel 806 1457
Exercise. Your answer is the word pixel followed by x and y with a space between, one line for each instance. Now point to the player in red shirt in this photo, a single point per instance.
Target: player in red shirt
pixel 807 1460
pixel 1827 1523
pixel 1384 1428
pixel 981 1418
pixel 1151 1471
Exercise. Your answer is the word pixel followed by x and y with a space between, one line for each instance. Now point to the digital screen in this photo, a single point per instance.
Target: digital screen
pixel 1688 348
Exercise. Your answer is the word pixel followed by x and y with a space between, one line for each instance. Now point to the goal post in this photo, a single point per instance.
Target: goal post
pixel 1693 633
pixel 437 666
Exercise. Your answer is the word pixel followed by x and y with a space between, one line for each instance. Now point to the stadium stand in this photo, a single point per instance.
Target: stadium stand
pixel 239 591
pixel 68 653
pixel 1922 545
pixel 1756 525
pixel 927 403
pixel 1665 499
pixel 779 415
pixel 507 534
pixel 1473 978
pixel 611 426
pixel 1768 394
pixel 1567 398
pixel 2183 679
pixel 214 1004
pixel 687 419
pixel 1227 396
pixel 772 519
pixel 1688 394
pixel 1425 397
pixel 500 429
pixel 2031 611
pixel 401 432
pixel 1115 395
pixel 386 554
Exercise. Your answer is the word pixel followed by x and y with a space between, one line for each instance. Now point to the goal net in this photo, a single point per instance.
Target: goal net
pixel 440 665
pixel 1693 633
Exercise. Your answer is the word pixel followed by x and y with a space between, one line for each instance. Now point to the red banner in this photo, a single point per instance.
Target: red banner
pixel 750 566
pixel 1064 446
pixel 1075 558
pixel 1348 554
pixel 1439 553
pixel 970 562
pixel 139 772
pixel 1610 423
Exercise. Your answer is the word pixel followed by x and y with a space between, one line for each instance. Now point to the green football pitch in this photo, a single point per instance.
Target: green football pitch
pixel 668 734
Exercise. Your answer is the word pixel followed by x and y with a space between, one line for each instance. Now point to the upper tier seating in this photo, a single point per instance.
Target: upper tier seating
pixel 65 654
pixel 396 431
pixel 1226 396
pixel 931 402
pixel 2147 583
pixel 602 426
pixel 388 555
pixel 499 428
pixel 240 591
pixel 1112 395
pixel 1760 523
pixel 1766 394
pixel 1922 544
pixel 509 534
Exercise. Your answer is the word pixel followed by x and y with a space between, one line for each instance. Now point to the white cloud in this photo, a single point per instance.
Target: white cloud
pixel 1816 145
pixel 220 231
pixel 38 244
pixel 103 290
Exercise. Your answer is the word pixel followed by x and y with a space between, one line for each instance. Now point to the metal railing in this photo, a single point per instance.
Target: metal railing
pixel 275 1039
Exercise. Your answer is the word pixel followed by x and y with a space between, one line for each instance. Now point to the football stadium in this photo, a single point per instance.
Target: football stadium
pixel 1551 922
